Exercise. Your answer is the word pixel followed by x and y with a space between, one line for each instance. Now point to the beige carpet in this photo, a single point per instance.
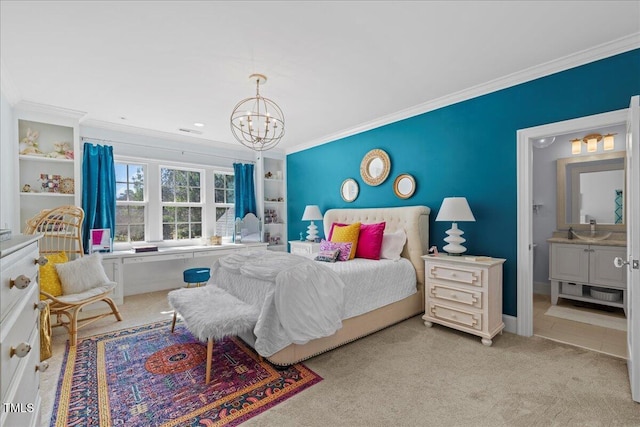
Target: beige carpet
pixel 603 320
pixel 410 375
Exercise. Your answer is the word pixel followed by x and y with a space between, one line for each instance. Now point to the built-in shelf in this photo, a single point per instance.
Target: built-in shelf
pixel 43 194
pixel 44 159
pixel 273 201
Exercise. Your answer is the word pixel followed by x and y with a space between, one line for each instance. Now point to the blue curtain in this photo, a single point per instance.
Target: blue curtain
pixel 98 190
pixel 245 194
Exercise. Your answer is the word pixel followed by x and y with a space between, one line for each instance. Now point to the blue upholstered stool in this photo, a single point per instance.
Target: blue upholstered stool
pixel 193 277
pixel 196 276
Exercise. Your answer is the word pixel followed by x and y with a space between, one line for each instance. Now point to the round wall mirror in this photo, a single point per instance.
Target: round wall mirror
pixel 349 190
pixel 404 186
pixel 375 167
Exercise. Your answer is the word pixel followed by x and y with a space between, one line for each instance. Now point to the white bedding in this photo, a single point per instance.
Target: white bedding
pixel 300 299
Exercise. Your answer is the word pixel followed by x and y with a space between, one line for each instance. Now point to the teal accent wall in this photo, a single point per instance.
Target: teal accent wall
pixel 465 149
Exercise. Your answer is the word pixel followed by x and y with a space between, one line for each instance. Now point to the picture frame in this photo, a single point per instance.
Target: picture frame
pixel 100 240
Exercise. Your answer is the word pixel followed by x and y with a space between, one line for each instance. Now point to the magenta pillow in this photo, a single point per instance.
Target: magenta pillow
pixel 369 240
pixel 343 247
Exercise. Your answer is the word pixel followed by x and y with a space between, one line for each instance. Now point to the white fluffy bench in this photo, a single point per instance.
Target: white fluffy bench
pixel 211 313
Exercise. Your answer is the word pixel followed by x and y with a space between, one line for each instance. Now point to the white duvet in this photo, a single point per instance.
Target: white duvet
pixel 300 299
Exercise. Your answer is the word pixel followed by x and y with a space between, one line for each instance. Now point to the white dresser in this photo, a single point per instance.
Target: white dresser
pixel 464 294
pixel 20 332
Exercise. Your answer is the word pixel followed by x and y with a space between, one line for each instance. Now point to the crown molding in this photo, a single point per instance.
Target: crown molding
pixel 577 59
pixel 36 107
pixel 134 130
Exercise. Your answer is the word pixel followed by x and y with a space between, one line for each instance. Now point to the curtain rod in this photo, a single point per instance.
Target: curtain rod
pixel 89 139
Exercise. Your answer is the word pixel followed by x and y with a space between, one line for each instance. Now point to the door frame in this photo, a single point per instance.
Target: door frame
pixel 524 148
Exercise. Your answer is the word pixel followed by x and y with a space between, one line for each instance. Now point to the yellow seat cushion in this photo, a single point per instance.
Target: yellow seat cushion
pixel 49 280
pixel 347 233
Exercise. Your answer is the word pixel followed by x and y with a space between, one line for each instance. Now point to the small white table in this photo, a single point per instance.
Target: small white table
pixel 304 248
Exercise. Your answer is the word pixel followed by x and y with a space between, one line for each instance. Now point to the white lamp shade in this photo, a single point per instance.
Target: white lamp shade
pixel 311 213
pixel 455 209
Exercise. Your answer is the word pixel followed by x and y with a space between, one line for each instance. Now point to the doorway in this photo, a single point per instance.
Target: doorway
pixel 532 297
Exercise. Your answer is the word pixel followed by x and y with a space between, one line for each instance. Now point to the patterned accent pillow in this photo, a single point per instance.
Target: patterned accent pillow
pixel 348 233
pixel 343 248
pixel 328 256
pixel 49 280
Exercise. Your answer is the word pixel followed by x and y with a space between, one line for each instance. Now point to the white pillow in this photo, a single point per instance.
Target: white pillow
pixel 82 274
pixel 392 244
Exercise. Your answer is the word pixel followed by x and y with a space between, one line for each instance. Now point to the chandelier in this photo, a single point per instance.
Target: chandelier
pixel 258 122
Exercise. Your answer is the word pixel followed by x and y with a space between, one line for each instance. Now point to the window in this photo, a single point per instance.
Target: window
pixel 181 204
pixel 130 202
pixel 224 201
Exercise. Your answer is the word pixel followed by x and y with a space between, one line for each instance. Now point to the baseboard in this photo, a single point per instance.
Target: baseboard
pixel 542 288
pixel 510 323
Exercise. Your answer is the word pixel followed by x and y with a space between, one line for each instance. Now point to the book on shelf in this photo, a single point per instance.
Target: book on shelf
pixel 148 248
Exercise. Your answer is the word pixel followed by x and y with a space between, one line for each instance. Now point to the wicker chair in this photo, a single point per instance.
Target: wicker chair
pixel 61 230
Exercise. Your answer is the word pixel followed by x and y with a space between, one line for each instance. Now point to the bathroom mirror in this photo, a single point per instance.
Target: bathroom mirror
pixel 349 190
pixel 375 167
pixel 591 188
pixel 404 186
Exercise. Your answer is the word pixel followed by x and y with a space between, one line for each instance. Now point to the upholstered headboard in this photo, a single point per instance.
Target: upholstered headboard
pixel 414 220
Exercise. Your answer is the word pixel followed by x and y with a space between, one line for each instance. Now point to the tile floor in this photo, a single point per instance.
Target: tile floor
pixel 604 340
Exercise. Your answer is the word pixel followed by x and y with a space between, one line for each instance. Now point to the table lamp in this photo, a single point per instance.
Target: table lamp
pixel 312 213
pixel 455 209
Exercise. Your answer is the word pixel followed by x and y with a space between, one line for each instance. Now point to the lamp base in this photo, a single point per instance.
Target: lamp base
pixel 312 232
pixel 455 241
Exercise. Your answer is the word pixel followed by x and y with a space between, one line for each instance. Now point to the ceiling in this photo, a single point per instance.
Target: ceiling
pixel 333 67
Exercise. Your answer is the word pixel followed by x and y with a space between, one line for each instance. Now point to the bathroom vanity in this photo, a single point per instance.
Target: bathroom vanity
pixel 584 271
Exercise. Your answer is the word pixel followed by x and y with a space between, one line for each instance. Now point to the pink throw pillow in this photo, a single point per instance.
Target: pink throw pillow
pixel 343 247
pixel 369 240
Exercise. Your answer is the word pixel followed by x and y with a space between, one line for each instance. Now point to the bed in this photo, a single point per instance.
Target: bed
pixel 358 319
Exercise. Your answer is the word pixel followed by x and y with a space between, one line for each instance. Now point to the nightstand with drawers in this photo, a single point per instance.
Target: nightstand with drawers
pixel 464 294
pixel 304 248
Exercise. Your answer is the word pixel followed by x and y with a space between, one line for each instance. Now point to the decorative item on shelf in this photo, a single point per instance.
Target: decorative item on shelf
pixel 433 250
pixel 268 175
pixel 278 174
pixel 50 183
pixel 455 209
pixel 27 189
pixel 270 216
pixel 67 186
pixel 404 186
pixel 274 240
pixel 257 122
pixel 61 150
pixel 267 237
pixel 312 213
pixel 100 240
pixel 29 144
pixel 215 240
pixel 592 143
pixel 375 167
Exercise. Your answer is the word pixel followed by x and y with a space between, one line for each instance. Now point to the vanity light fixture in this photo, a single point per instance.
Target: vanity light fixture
pixel 455 209
pixel 592 143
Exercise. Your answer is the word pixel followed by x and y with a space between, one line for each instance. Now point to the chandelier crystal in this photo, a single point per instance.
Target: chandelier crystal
pixel 258 122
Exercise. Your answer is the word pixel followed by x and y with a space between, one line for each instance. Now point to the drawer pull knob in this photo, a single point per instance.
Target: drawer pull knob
pixel 21 350
pixel 41 305
pixel 42 260
pixel 20 282
pixel 42 366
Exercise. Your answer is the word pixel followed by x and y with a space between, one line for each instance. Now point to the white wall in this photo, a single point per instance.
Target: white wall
pixel 8 161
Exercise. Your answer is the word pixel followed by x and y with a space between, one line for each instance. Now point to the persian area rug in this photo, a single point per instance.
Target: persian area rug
pixel 147 376
pixel 591 318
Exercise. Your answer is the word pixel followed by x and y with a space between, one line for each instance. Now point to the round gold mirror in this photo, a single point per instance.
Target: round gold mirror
pixel 404 186
pixel 375 167
pixel 349 190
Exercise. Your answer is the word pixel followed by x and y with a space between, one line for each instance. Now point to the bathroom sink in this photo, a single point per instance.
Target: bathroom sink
pixel 589 236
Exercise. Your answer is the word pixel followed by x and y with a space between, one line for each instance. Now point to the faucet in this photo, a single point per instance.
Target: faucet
pixel 592 223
